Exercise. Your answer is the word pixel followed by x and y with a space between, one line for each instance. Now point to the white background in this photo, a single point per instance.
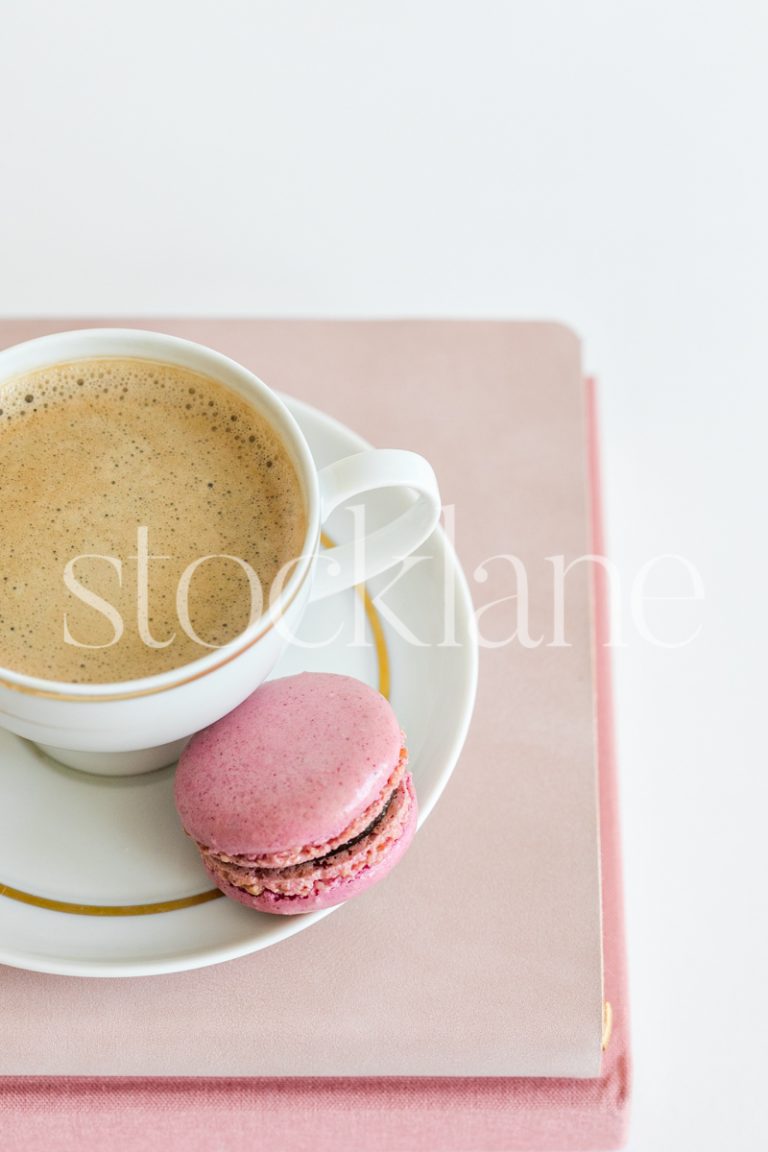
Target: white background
pixel 603 163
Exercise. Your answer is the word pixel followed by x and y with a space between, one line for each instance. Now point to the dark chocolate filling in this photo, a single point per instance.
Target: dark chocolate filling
pixel 374 824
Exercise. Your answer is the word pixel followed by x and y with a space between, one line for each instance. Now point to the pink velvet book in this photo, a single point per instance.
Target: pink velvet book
pixel 489 1027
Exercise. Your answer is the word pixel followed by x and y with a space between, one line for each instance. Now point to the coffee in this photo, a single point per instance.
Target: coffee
pixel 99 455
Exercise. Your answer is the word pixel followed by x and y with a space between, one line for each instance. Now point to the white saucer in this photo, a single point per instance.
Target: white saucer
pixel 97 877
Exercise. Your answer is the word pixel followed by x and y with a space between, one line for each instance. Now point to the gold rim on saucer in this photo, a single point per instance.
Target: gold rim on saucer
pixel 77 909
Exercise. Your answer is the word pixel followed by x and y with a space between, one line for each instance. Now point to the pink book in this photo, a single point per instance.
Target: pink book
pixel 488 1007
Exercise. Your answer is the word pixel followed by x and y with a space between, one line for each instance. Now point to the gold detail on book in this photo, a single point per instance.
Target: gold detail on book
pixel 607 1025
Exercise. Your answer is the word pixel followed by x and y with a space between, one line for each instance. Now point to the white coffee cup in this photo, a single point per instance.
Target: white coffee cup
pixel 139 725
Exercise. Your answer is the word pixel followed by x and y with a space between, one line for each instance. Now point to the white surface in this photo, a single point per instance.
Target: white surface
pixel 598 162
pixel 110 841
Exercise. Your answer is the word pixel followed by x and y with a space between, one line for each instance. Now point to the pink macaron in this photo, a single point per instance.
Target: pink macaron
pixel 301 797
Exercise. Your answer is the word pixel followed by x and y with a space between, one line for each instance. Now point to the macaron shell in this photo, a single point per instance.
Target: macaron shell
pixel 330 897
pixel 309 852
pixel 293 765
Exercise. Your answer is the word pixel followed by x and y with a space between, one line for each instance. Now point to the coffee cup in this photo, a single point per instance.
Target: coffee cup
pixel 132 726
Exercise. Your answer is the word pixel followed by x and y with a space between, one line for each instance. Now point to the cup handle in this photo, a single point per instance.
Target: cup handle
pixel 341 567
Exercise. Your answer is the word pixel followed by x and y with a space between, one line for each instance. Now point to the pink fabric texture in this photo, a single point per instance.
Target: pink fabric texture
pixel 419 1113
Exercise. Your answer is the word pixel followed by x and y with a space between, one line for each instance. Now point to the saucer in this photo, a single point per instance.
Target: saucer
pixel 96 875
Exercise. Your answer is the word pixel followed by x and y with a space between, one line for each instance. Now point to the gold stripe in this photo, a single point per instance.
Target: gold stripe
pixel 374 623
pixel 382 659
pixel 379 641
pixel 607 1025
pixel 109 909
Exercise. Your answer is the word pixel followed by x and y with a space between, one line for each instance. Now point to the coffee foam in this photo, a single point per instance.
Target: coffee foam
pixel 94 449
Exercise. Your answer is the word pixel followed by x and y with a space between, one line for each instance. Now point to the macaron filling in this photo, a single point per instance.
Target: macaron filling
pixel 362 845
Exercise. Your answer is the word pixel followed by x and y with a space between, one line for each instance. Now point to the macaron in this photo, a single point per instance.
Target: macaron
pixel 301 797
